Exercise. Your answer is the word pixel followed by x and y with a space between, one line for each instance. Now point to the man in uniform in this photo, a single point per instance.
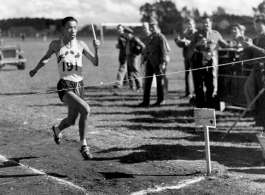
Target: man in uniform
pixel 133 48
pixel 204 44
pixel 144 38
pixel 155 55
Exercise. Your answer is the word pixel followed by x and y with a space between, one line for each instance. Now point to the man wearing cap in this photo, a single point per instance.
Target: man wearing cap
pixel 122 57
pixel 255 81
pixel 156 60
pixel 144 38
pixel 133 48
pixel 184 43
pixel 205 58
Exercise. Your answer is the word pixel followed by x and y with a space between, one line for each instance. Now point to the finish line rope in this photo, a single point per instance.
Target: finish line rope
pixel 113 82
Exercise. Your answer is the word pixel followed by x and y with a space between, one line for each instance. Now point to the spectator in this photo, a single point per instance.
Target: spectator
pixel 133 48
pixel 22 36
pixel 122 57
pixel 238 30
pixel 155 56
pixel 242 30
pixel 165 71
pixel 144 38
pixel 205 46
pixel 184 43
pixel 255 81
pixel 168 49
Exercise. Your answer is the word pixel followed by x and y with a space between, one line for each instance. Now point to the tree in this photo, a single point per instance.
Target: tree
pixel 147 11
pixel 185 12
pixel 260 8
pixel 37 23
pixel 220 11
pixel 169 18
pixel 196 13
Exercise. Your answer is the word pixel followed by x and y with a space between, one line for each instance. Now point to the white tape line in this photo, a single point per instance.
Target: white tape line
pixel 35 171
pixel 159 188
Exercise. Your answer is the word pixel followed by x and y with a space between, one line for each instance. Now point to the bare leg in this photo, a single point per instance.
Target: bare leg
pixel 76 105
pixel 70 120
pixel 82 129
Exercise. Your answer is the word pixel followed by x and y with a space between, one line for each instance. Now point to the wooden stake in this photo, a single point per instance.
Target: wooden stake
pixel 207 150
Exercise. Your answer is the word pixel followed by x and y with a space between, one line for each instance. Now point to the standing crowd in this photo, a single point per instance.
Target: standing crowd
pixel 200 53
pixel 200 49
pixel 153 49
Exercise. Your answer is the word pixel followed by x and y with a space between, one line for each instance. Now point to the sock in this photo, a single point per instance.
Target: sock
pixel 83 142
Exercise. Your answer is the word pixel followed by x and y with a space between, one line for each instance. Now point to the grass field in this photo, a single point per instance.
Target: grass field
pixel 134 149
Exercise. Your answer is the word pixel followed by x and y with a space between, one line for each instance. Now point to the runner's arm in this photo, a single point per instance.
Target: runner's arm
pixel 94 58
pixel 44 60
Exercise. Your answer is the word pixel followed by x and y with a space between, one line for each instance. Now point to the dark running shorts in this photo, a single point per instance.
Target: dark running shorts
pixel 64 86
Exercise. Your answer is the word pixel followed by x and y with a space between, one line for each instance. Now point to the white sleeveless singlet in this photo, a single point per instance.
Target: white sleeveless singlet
pixel 70 62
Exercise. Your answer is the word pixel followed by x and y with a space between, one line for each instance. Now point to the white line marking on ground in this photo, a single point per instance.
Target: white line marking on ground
pixel 181 184
pixel 93 132
pixel 7 183
pixel 35 171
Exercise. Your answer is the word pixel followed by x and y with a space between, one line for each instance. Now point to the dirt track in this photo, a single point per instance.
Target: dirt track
pixel 134 149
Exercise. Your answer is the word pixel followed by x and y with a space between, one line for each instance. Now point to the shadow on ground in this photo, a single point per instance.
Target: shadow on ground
pixel 256 171
pixel 228 156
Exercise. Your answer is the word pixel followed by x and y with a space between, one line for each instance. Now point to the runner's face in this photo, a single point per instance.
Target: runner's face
pixel 70 30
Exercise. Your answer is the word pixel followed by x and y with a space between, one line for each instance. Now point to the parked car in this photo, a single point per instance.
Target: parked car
pixel 11 55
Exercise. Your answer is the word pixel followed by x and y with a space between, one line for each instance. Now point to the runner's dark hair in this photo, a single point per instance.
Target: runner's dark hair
pixel 68 19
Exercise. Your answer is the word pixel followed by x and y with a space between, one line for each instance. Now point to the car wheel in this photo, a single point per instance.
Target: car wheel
pixel 21 66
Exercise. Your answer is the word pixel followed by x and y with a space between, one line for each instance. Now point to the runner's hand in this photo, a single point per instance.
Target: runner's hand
pixel 32 73
pixel 96 43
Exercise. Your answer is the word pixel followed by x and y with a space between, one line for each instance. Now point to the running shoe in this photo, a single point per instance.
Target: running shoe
pixel 85 152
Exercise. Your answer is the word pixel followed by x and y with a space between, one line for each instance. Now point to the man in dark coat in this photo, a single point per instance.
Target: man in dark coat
pixel 156 60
